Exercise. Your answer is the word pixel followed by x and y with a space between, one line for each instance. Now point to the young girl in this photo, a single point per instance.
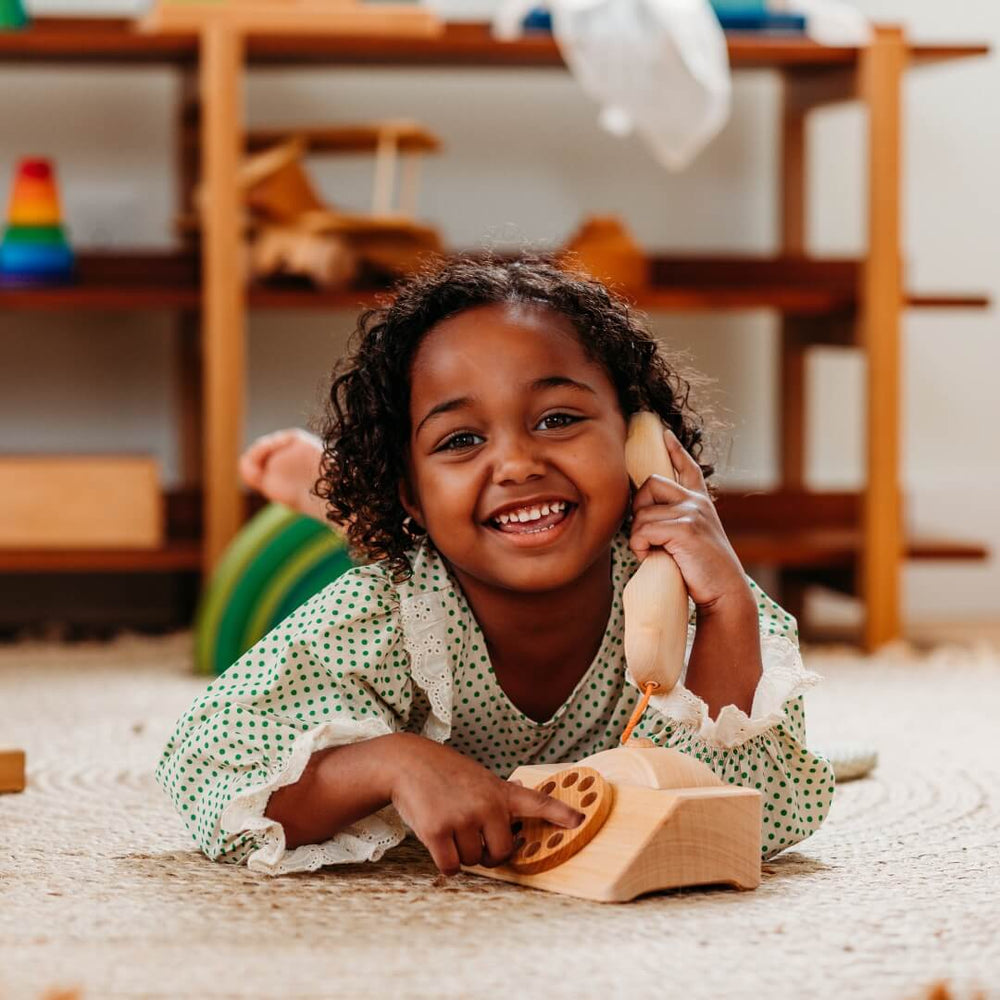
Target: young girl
pixel 475 450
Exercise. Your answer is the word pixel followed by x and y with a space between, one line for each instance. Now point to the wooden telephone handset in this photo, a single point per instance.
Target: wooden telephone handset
pixel 654 818
pixel 655 599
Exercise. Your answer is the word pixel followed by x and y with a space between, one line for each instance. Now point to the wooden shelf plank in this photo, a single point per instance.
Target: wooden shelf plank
pixel 177 556
pixel 116 281
pixel 787 528
pixel 105 40
pixel 947 300
pixel 794 285
pixel 804 549
pixel 945 549
pixel 93 41
pixel 929 55
pixel 838 548
pixel 811 529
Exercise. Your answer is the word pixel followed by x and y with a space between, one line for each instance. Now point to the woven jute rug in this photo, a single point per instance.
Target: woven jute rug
pixel 100 888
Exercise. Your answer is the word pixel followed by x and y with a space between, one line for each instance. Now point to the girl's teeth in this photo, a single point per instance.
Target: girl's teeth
pixel 531 513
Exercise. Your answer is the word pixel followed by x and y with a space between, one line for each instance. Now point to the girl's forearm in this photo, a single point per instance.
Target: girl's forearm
pixel 725 663
pixel 339 786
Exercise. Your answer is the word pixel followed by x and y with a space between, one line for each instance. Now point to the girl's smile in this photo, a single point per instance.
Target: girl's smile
pixel 535 523
pixel 516 465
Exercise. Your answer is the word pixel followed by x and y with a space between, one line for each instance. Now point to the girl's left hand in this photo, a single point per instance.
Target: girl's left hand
pixel 681 518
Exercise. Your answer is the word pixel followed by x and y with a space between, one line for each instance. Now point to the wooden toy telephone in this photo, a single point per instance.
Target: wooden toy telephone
pixel 655 818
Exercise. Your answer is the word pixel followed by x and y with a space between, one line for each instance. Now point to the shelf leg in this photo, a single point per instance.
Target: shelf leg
pixel 187 393
pixel 188 400
pixel 792 346
pixel 881 71
pixel 792 196
pixel 223 317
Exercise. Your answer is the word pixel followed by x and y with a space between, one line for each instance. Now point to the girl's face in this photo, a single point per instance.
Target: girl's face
pixel 517 448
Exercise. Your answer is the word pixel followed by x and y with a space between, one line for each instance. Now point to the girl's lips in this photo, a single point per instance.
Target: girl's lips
pixel 528 534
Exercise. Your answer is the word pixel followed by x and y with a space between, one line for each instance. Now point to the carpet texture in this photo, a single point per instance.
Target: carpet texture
pixel 101 889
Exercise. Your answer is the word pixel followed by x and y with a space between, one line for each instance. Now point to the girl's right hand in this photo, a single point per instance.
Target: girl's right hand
pixel 462 812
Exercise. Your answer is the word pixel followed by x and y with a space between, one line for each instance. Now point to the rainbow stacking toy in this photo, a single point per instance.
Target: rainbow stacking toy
pixel 34 250
pixel 12 15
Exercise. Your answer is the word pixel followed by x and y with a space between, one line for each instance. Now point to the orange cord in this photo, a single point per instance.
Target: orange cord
pixel 640 708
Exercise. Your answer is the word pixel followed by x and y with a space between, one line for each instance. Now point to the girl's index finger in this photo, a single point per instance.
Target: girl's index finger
pixel 688 471
pixel 526 802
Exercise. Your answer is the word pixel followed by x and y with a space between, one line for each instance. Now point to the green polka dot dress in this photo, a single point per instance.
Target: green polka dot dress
pixel 367 657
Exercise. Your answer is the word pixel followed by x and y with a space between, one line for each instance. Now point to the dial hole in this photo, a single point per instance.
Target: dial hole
pixel 548 788
pixel 570 779
pixel 589 799
pixel 555 840
pixel 586 783
pixel 532 848
pixel 519 843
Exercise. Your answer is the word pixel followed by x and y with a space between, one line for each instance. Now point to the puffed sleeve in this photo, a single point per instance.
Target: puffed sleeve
pixel 334 672
pixel 765 750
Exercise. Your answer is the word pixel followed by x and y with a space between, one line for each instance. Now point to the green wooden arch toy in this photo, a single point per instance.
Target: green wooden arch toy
pixel 275 564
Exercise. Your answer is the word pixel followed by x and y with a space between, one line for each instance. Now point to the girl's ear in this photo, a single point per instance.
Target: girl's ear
pixel 410 504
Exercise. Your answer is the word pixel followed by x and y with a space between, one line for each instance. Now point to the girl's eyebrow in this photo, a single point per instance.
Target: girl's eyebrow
pixel 547 382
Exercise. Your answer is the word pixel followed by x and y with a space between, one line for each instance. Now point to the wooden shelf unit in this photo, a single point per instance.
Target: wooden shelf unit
pixel 799 286
pixel 854 542
pixel 95 41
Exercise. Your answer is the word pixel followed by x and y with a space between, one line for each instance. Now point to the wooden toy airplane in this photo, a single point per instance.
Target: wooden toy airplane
pixel 290 230
pixel 655 818
pixel 294 231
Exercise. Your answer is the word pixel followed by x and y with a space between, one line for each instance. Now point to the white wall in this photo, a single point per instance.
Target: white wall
pixel 524 162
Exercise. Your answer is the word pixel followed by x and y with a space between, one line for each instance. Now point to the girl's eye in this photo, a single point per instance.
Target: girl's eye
pixel 449 445
pixel 454 442
pixel 558 420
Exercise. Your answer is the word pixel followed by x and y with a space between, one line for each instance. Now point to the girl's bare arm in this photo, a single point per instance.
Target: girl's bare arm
pixel 460 811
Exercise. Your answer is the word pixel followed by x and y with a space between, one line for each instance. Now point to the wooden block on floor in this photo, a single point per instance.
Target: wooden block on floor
pixel 80 502
pixel 11 770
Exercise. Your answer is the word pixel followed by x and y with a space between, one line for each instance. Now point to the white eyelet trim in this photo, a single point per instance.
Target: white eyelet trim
pixel 366 840
pixel 424 621
pixel 784 677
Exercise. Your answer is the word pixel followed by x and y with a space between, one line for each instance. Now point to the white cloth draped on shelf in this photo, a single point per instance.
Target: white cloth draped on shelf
pixel 656 67
pixel 660 68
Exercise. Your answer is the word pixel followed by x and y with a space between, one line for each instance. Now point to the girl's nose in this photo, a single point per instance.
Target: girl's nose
pixel 516 460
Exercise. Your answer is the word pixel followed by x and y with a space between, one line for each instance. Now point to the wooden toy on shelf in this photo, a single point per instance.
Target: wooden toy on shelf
pixel 12 771
pixel 655 818
pixel 604 248
pixel 292 231
pixel 34 250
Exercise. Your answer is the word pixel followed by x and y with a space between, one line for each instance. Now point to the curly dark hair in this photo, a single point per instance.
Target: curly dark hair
pixel 366 426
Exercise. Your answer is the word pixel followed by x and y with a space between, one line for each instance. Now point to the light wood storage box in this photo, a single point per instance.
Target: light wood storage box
pixel 80 502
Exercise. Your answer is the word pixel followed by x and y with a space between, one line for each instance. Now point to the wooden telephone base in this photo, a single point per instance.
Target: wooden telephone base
pixel 672 823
